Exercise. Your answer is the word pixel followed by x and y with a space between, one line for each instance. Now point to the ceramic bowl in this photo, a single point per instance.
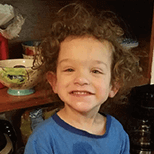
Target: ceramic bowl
pixel 30 47
pixel 27 56
pixel 18 76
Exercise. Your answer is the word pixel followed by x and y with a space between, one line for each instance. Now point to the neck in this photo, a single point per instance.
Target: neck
pixel 85 121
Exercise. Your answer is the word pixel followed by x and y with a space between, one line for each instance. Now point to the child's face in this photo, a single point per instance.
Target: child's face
pixel 83 74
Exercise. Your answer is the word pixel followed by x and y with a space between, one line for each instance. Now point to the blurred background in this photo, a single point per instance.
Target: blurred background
pixel 137 14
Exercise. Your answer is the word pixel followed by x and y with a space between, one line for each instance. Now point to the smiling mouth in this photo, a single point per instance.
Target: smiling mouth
pixel 81 93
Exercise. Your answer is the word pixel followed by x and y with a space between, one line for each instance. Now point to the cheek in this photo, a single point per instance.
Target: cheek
pixel 62 83
pixel 103 87
pixel 102 90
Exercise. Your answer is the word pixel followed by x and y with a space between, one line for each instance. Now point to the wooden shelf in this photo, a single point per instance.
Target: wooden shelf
pixel 9 102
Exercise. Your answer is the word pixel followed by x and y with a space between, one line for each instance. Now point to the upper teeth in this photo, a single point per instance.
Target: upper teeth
pixel 80 92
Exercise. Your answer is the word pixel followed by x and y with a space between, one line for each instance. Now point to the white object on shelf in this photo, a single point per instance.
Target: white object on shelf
pixel 6 13
pixel 13 30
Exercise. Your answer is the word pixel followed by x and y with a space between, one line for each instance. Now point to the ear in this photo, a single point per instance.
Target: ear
pixel 52 79
pixel 114 89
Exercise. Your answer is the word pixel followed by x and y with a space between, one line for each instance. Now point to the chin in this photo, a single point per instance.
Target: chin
pixel 83 107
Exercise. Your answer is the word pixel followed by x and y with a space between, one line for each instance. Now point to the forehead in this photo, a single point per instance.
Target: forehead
pixel 74 47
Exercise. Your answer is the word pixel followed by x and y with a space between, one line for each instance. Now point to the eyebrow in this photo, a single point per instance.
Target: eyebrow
pixel 95 61
pixel 101 62
pixel 64 60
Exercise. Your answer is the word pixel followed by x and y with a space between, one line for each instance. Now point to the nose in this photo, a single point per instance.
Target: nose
pixel 81 79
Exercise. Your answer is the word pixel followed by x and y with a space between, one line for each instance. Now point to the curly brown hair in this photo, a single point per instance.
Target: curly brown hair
pixel 79 21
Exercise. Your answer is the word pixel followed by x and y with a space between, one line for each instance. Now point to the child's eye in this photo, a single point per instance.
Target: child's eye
pixel 69 70
pixel 97 72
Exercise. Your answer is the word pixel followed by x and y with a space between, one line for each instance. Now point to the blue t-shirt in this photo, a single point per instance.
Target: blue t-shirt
pixel 55 136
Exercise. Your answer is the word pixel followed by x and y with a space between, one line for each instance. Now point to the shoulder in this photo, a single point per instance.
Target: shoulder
pixel 117 133
pixel 44 125
pixel 114 122
pixel 115 128
pixel 43 130
pixel 113 125
pixel 40 140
